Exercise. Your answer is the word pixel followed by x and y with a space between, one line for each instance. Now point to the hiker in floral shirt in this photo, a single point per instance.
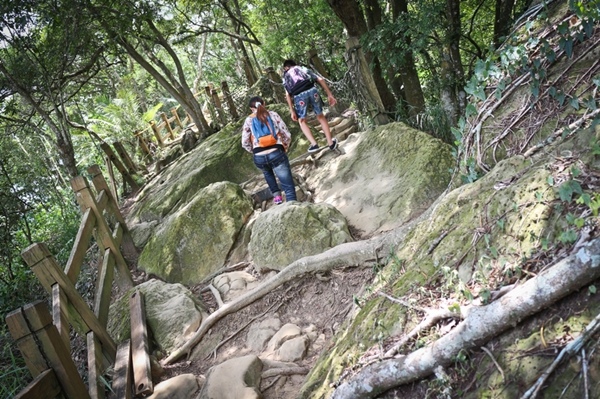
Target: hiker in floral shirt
pixel 267 137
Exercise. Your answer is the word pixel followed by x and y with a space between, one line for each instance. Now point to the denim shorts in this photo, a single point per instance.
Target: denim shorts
pixel 303 100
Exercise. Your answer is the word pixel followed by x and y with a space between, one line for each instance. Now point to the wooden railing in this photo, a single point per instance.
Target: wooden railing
pixel 43 339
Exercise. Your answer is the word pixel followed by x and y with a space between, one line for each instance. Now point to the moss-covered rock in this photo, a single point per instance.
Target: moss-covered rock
pixel 385 177
pixel 293 230
pixel 475 236
pixel 172 314
pixel 194 242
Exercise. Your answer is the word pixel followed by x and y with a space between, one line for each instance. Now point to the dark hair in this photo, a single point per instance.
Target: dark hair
pixel 289 63
pixel 261 110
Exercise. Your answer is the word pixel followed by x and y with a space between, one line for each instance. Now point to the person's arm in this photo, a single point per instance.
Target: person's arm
pixel 290 102
pixel 247 136
pixel 330 98
pixel 286 136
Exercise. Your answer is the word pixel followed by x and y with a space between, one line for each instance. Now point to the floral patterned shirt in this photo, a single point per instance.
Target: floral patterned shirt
pixel 284 137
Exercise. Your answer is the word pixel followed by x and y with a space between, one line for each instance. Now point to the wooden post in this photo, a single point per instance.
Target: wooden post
pixel 176 116
pixel 23 337
pixel 125 158
pixel 276 84
pixel 211 108
pixel 95 367
pixel 218 106
pixel 230 104
pixel 163 116
pixel 111 177
pixel 124 172
pixel 59 314
pixel 48 272
pixel 357 62
pixel 103 287
pixel 139 134
pixel 44 386
pixel 101 185
pixel 140 353
pixel 316 63
pixel 57 355
pixel 80 247
pixel 104 235
pixel 122 380
pixel 157 134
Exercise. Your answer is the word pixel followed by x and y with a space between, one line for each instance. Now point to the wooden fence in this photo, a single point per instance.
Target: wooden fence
pixel 44 340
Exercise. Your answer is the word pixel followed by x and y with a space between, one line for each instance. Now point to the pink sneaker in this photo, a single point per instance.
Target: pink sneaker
pixel 277 200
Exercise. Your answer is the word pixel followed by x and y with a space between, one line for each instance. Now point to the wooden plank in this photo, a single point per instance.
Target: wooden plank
pixel 111 178
pixel 95 367
pixel 143 145
pixel 60 314
pixel 100 185
pixel 103 288
pixel 58 356
pixel 44 386
pixel 102 200
pixel 140 352
pixel 157 134
pixel 80 247
pixel 121 384
pixel 117 162
pixel 20 332
pixel 229 100
pixel 127 161
pixel 167 123
pixel 40 260
pixel 218 106
pixel 104 235
pixel 176 117
pixel 118 233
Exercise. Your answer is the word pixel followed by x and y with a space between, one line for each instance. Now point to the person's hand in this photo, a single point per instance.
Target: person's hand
pixel 294 116
pixel 331 99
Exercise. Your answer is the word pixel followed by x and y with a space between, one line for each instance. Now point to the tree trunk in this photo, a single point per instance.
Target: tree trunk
pixel 359 69
pixel 413 92
pixel 452 94
pixel 480 324
pixel 351 15
pixel 503 20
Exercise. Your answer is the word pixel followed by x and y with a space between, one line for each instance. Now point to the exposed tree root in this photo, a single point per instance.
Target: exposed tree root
pixel 480 324
pixel 348 254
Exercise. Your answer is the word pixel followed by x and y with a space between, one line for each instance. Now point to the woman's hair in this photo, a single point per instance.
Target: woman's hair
pixel 261 110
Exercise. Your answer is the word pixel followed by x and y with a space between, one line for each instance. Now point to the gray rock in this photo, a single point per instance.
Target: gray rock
pixel 173 313
pixel 293 230
pixel 195 241
pixel 237 378
pixel 181 387
pixel 259 334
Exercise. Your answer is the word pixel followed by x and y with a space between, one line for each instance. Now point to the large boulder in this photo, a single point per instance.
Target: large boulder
pixel 173 314
pixel 293 230
pixel 472 238
pixel 237 378
pixel 194 241
pixel 220 157
pixel 385 176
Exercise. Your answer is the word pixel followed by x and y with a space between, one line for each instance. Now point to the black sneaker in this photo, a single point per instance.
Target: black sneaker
pixel 313 148
pixel 333 145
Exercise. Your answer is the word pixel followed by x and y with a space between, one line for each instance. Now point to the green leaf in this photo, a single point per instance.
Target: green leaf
pixel 574 103
pixel 592 289
pixel 550 181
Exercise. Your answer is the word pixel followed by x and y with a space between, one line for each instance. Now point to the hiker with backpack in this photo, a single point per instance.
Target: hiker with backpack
pixel 267 137
pixel 300 92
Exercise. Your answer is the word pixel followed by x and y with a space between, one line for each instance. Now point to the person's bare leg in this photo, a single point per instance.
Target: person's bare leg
pixel 306 130
pixel 325 126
